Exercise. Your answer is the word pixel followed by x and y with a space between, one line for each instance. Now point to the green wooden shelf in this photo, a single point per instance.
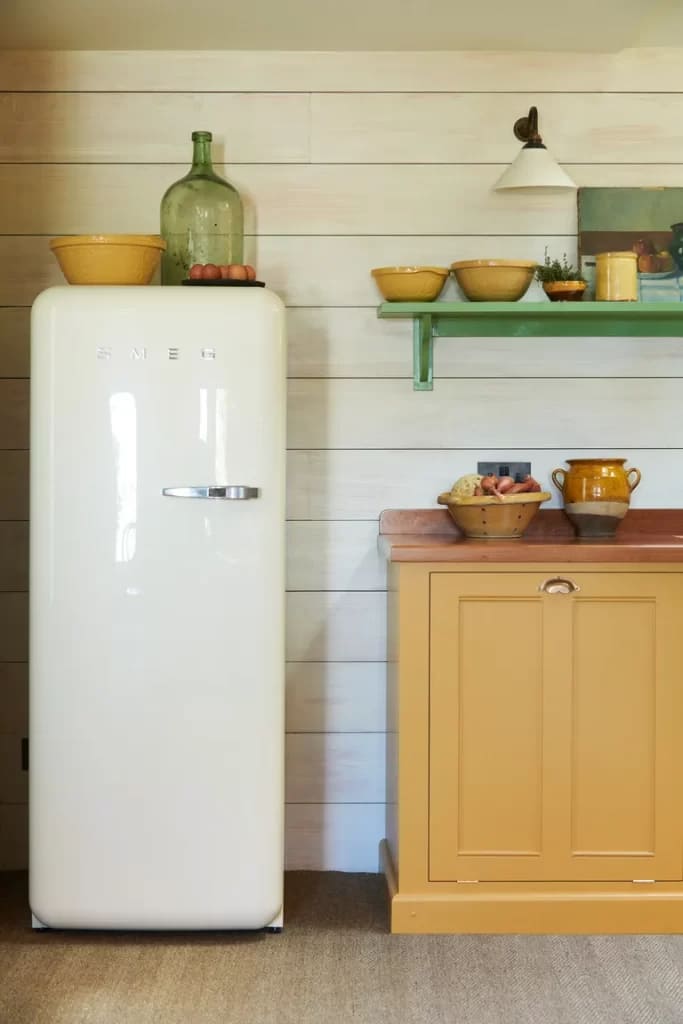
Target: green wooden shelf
pixel 528 320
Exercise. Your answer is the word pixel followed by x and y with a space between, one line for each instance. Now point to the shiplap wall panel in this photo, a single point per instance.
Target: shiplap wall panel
pixel 14 342
pixel 13 627
pixel 13 837
pixel 305 271
pixel 13 556
pixel 334 556
pixel 13 485
pixel 384 129
pixel 404 178
pixel 335 767
pixel 353 342
pixel 280 200
pixel 148 128
pixel 14 698
pixel 332 837
pixel 13 781
pixel 359 484
pixel 28 267
pixel 141 128
pixel 334 696
pixel 630 70
pixel 444 199
pixel 320 556
pixel 473 413
pixel 356 343
pixel 14 413
pixel 335 626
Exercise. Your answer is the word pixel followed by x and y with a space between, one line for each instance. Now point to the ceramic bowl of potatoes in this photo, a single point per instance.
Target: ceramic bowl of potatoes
pixel 492 507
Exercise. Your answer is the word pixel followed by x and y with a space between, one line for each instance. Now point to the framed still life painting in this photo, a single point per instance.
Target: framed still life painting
pixel 647 221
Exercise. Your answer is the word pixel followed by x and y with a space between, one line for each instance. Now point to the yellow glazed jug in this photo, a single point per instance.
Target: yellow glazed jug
pixel 596 494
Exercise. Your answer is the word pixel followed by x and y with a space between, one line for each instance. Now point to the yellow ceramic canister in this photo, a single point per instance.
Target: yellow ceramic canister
pixel 596 494
pixel 616 277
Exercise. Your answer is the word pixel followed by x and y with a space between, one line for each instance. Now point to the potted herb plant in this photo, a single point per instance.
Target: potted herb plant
pixel 561 281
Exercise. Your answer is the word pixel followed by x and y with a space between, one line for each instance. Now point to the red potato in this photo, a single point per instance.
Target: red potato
pixel 211 272
pixel 251 272
pixel 236 272
pixel 505 483
pixel 526 486
pixel 488 484
pixel 196 272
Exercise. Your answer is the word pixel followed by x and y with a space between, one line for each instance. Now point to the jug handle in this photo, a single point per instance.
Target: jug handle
pixel 560 483
pixel 632 486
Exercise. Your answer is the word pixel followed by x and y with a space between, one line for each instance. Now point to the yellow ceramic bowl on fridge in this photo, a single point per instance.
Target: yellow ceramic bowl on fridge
pixel 410 284
pixel 494 280
pixel 108 259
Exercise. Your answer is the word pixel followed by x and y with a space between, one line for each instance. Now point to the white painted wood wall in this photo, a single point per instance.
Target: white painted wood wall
pixel 346 161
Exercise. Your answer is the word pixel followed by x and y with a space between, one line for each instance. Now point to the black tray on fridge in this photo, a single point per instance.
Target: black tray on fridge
pixel 192 281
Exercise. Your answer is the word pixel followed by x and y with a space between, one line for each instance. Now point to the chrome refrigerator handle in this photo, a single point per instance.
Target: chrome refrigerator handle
pixel 229 492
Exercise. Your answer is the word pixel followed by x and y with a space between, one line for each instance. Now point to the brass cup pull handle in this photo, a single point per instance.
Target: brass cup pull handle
pixel 559 585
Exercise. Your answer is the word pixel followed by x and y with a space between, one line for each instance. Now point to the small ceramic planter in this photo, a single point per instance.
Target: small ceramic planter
pixel 564 291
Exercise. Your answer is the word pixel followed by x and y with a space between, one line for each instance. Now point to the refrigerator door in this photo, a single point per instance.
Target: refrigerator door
pixel 157 607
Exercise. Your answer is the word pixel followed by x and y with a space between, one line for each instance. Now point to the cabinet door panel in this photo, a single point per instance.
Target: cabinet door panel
pixel 491 805
pixel 624 684
pixel 556 726
pixel 500 728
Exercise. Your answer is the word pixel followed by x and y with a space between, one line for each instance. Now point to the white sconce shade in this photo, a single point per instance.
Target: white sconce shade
pixel 533 167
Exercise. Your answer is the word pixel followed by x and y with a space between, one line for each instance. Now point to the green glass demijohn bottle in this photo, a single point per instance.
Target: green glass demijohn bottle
pixel 201 217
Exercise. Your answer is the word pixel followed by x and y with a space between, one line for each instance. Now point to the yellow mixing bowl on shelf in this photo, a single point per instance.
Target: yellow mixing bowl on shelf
pixel 410 284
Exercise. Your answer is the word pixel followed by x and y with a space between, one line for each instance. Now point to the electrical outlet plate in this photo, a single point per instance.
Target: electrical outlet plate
pixel 518 470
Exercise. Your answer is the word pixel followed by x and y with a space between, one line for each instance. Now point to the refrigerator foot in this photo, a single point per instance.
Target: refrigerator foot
pixel 273 929
pixel 36 923
pixel 277 923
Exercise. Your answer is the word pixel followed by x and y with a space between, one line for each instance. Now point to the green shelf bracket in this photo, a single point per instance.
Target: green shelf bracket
pixel 528 320
pixel 423 353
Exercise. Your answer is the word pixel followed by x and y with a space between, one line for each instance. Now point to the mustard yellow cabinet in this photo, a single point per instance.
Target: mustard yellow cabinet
pixel 536 748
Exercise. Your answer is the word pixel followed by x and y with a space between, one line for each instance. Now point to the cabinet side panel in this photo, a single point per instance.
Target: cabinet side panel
pixel 413 727
pixel 613 727
pixel 392 713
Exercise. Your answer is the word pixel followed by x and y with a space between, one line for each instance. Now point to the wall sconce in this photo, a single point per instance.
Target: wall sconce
pixel 533 167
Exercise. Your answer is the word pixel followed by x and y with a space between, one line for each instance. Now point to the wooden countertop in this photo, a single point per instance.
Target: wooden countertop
pixel 430 535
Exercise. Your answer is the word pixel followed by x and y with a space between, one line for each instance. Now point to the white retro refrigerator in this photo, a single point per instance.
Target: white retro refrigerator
pixel 157 608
